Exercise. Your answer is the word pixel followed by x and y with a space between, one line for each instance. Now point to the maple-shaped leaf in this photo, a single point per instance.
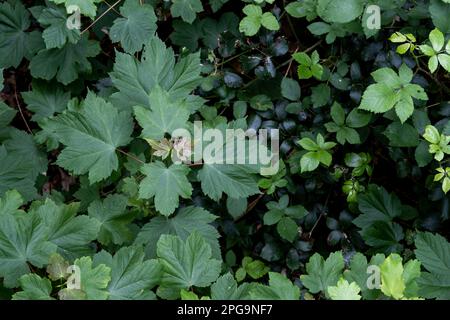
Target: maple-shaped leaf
pixel 135 79
pixel 166 185
pixel 113 218
pixel 321 273
pixel 72 234
pixel 15 42
pixel 226 288
pixel 23 242
pixel 183 223
pixel 163 117
pixel 186 9
pixel 132 276
pixel 45 99
pixel 187 263
pixel 34 288
pixel 279 288
pixel 134 29
pixel 344 291
pixel 65 63
pixel 6 114
pixel 56 33
pixel 91 137
pixel 94 279
pixel 86 7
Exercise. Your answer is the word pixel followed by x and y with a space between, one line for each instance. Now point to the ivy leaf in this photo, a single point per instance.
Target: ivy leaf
pixel 113 219
pixel 66 63
pixel 132 276
pixel 56 33
pixel 186 263
pixel 186 9
pixel 45 100
pixel 344 291
pixel 87 7
pixel 93 280
pixel 279 288
pixel 70 233
pixel 187 221
pixel 137 24
pixel 136 79
pixel 34 288
pixel 23 240
pixel 15 43
pixel 166 185
pixel 163 117
pixel 321 273
pixel 91 137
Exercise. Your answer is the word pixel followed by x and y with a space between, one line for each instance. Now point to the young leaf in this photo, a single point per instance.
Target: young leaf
pixel 34 288
pixel 344 291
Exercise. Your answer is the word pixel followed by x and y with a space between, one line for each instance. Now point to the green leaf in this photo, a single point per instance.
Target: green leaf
pixel 290 89
pixel 166 185
pixel 279 288
pixel 186 9
pixel 65 63
pixel 439 12
pixel 321 273
pixel 338 114
pixel 87 7
pixel 392 283
pixel 269 21
pixel 437 39
pixel 433 251
pixel 15 43
pixel 342 11
pixel 164 116
pixel 186 263
pixel 378 98
pixel 344 291
pixel 226 288
pixel 7 114
pixel 187 221
pixel 71 234
pixel 287 228
pixel 233 180
pixel 15 174
pixel 45 100
pixel 113 219
pixel 136 79
pixel 91 137
pixel 34 288
pixel 402 135
pixel 132 276
pixel 56 33
pixel 137 24
pixel 23 241
pixel 93 280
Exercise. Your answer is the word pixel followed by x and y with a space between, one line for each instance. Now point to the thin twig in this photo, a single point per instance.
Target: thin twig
pixel 130 156
pixel 101 16
pixel 20 109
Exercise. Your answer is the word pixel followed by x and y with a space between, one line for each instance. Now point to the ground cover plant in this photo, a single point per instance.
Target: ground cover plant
pixel 99 198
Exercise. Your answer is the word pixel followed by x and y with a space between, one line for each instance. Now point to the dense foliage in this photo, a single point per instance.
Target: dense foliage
pixel 92 206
